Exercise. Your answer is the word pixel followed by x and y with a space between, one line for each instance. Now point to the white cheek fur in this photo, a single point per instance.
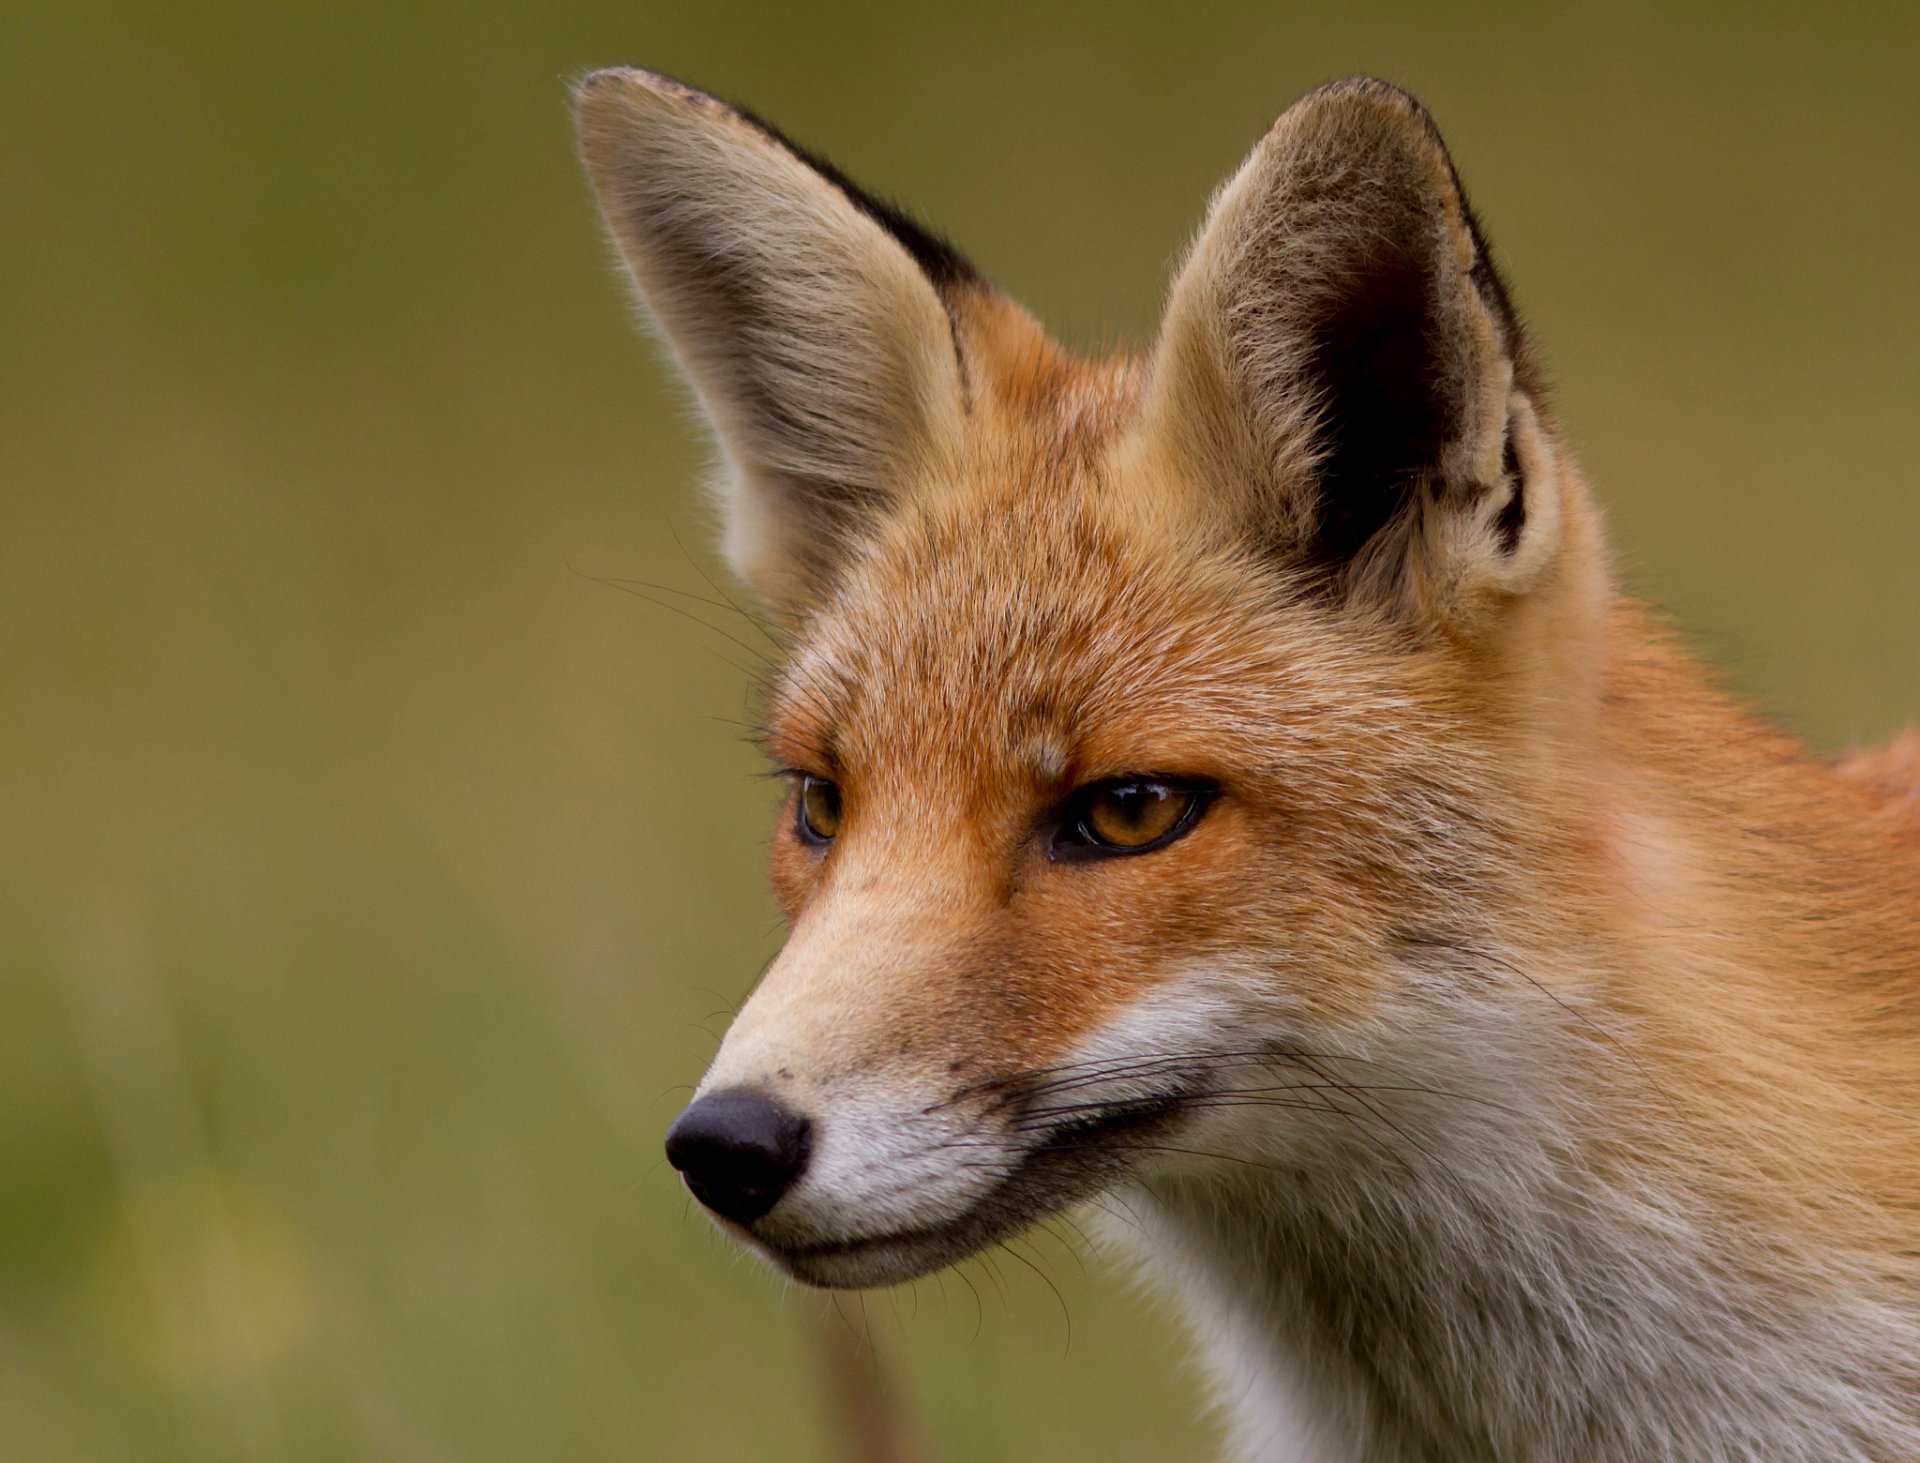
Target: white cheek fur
pixel 883 1162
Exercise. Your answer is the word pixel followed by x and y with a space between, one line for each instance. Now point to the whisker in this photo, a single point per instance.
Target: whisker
pixel 1370 1107
pixel 1121 1107
pixel 752 619
pixel 979 1310
pixel 1046 1280
pixel 646 590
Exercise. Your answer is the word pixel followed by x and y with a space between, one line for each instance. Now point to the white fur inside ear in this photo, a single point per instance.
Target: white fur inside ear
pixel 768 547
pixel 1496 535
pixel 1517 567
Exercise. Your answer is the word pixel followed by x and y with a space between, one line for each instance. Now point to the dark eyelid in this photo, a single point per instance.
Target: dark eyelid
pixel 796 774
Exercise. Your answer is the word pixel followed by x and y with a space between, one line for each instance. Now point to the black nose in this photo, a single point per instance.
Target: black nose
pixel 739 1151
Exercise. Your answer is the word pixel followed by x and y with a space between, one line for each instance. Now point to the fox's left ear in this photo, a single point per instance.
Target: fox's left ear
pixel 1339 368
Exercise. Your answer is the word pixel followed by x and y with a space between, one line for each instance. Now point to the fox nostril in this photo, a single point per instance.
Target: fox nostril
pixel 739 1151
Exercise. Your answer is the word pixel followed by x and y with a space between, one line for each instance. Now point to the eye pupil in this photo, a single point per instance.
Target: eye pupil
pixel 1127 816
pixel 819 810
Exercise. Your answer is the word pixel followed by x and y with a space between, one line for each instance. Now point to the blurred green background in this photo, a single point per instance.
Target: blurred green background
pixel 374 876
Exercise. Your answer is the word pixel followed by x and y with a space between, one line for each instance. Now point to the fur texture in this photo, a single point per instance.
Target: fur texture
pixel 1518 1058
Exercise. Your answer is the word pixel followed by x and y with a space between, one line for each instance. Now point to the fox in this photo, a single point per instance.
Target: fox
pixel 1229 785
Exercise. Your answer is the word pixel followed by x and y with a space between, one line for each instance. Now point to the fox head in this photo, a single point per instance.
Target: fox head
pixel 1165 735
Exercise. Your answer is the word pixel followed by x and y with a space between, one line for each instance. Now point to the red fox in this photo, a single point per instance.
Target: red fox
pixel 1231 780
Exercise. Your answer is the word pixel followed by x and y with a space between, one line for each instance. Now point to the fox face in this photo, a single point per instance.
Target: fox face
pixel 1162 735
pixel 1028 854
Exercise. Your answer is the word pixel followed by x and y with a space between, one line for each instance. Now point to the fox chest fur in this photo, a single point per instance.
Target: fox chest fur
pixel 1229 785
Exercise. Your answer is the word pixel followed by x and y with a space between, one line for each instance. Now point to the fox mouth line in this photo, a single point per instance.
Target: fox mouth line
pixel 1074 1161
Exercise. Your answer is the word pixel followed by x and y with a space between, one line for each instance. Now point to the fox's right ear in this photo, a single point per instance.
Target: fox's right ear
pixel 808 317
pixel 1341 375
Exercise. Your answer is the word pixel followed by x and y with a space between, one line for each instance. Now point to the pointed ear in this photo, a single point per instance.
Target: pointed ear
pixel 807 316
pixel 1340 372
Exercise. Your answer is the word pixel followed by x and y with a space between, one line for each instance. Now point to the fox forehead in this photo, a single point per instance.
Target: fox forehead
pixel 1027 618
pixel 1030 626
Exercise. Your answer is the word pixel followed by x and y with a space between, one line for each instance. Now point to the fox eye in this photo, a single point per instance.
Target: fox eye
pixel 1128 815
pixel 819 815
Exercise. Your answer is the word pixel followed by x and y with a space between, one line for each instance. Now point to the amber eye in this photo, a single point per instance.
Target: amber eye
pixel 1128 815
pixel 819 818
